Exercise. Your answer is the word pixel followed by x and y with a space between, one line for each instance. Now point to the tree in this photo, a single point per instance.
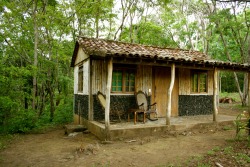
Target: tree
pixel 232 26
pixel 35 55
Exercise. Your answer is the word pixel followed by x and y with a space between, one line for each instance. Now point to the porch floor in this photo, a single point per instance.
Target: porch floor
pixel 181 123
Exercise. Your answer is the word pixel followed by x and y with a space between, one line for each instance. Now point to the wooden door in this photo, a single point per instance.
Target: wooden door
pixel 161 82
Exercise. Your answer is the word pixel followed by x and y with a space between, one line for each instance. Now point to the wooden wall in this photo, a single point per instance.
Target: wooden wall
pixel 210 82
pixel 82 60
pixel 184 81
pixel 185 85
pixel 144 78
pixel 80 56
pixel 99 77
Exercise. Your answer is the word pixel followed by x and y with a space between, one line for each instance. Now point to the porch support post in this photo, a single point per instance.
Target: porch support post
pixel 171 86
pixel 249 93
pixel 107 109
pixel 215 95
pixel 91 114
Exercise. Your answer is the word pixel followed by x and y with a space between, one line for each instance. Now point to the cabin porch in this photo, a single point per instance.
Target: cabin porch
pixel 125 129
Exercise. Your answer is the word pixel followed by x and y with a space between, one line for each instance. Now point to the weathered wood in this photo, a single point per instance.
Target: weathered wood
pixel 143 78
pixel 99 76
pixel 86 77
pixel 90 112
pixel 210 82
pixel 76 68
pixel 249 93
pixel 168 114
pixel 184 81
pixel 161 84
pixel 215 95
pixel 107 109
pixel 81 57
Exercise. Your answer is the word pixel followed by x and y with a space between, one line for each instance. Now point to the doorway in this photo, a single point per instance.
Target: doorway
pixel 161 82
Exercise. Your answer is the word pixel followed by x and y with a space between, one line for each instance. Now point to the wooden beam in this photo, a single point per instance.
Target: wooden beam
pixel 108 90
pixel 170 90
pixel 215 95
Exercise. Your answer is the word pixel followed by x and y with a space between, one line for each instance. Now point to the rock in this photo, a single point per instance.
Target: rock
pixel 74 128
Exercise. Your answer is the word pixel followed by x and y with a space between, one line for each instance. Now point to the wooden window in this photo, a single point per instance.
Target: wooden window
pixel 123 80
pixel 80 79
pixel 199 81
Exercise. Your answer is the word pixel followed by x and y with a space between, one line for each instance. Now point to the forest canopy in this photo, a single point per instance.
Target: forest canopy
pixel 37 38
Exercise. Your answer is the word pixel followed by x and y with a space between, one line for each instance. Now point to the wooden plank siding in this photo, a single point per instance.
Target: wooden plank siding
pixel 99 76
pixel 185 82
pixel 210 83
pixel 144 78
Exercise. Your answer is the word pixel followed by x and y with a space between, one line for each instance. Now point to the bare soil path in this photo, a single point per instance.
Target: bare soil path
pixel 55 149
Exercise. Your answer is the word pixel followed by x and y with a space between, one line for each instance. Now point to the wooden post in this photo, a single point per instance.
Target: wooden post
pixel 249 93
pixel 107 109
pixel 215 94
pixel 171 86
pixel 91 114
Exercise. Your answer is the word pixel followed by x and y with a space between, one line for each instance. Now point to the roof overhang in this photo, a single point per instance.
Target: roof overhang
pixel 127 53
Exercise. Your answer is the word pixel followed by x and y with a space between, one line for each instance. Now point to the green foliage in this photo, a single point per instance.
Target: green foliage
pixel 242 159
pixel 228 150
pixel 147 33
pixel 184 24
pixel 63 113
pixel 210 152
pixel 228 79
pixel 242 125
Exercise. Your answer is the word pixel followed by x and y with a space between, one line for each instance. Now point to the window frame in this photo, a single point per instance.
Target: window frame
pixel 80 82
pixel 123 86
pixel 199 82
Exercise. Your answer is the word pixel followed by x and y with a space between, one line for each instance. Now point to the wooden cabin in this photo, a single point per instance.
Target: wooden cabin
pixel 181 82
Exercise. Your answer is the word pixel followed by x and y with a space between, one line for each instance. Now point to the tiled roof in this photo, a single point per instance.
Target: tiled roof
pixel 104 48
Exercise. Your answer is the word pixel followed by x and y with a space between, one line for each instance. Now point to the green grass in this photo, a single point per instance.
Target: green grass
pixel 228 150
pixel 211 152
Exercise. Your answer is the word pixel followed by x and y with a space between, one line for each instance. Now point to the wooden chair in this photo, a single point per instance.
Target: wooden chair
pixel 113 110
pixel 142 103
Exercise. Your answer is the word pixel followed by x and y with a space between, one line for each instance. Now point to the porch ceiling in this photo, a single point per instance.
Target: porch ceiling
pixel 101 48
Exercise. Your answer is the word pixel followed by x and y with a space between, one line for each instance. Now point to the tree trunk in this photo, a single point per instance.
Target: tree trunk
pixel 97 21
pixel 35 55
pixel 107 108
pixel 170 90
pixel 52 104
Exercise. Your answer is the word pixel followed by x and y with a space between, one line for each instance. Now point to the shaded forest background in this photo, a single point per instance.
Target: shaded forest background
pixel 37 39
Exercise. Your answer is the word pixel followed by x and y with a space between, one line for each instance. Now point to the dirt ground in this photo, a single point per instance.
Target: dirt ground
pixel 53 148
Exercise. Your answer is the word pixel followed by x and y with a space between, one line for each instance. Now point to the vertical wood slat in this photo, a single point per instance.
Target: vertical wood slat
pixel 99 76
pixel 144 78
pixel 171 86
pixel 184 81
pixel 139 82
pixel 107 108
pixel 215 94
pixel 210 82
